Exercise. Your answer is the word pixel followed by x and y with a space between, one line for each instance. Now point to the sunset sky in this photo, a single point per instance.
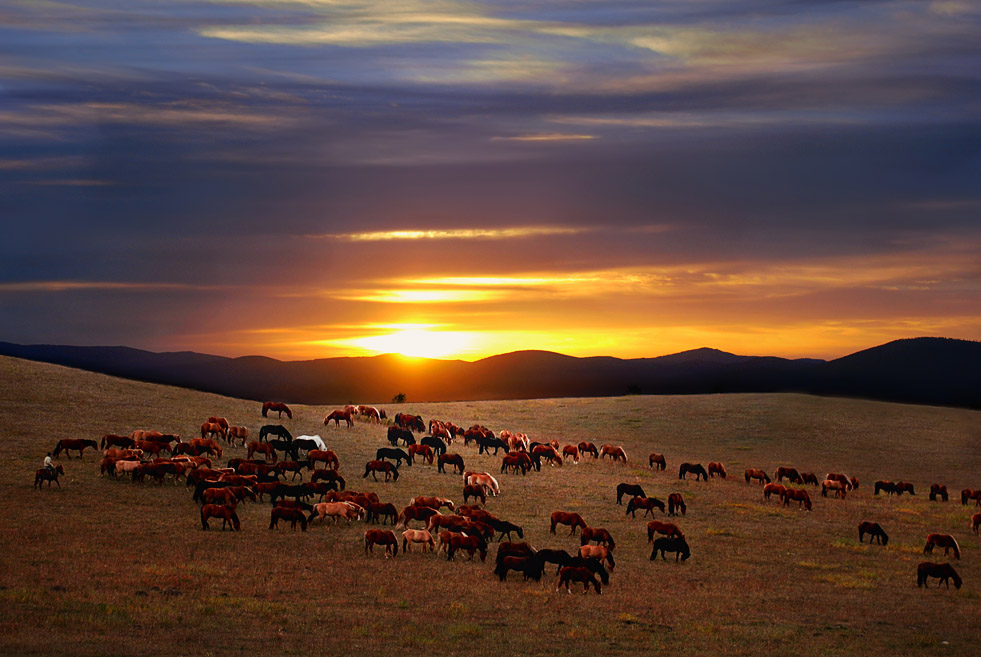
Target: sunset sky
pixel 315 178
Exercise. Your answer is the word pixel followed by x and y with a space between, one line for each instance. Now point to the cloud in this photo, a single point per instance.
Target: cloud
pixel 456 234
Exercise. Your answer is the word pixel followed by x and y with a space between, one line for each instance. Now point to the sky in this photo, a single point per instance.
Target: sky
pixel 316 178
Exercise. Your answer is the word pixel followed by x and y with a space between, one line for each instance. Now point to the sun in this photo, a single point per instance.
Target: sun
pixel 416 343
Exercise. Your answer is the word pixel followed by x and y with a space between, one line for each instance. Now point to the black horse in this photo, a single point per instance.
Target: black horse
pixel 503 527
pixel 275 430
pixel 558 557
pixel 594 564
pixel 696 469
pixel 875 532
pixel 486 443
pixel 532 567
pixel 633 490
pixel 287 447
pixel 439 447
pixel 395 454
pixel 675 544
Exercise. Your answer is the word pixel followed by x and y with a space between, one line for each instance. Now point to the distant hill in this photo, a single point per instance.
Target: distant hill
pixel 937 371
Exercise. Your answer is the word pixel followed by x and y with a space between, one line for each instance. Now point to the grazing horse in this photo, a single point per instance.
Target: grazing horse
pixel 398 456
pixel 79 444
pixel 434 502
pixel 971 494
pixel 629 489
pixel 598 534
pixel 487 443
pixel 239 433
pixel 383 510
pixel 799 495
pixel 567 518
pixel 840 488
pixel 115 440
pixel 328 475
pixel 410 513
pixel 385 537
pixel 569 574
pixel 572 452
pixel 946 541
pixel 904 487
pixel 546 452
pixel 212 430
pixel 614 452
pixel 943 571
pixel 411 422
pixel 849 482
pixel 938 490
pixel 676 503
pixel 336 510
pixel 337 416
pixel 975 523
pixel 475 491
pixel 694 468
pixel 484 479
pixel 277 430
pixel 373 467
pixel 453 459
pixel 504 528
pixel 757 474
pixel 516 460
pixel 883 485
pixel 586 447
pixel 470 544
pixel 875 532
pixel 395 434
pixel 437 445
pixel 716 468
pixel 293 515
pixel 425 451
pixel 207 445
pixel 266 449
pixel 279 407
pixel 601 552
pixel 328 456
pixel 657 461
pixel 646 503
pixel 669 529
pixel 790 473
pixel 224 511
pixel 774 489
pixel 44 475
pixel 531 566
pixel 370 412
pixel 509 549
pixel 679 545
pixel 295 467
pixel 418 536
pixel 809 478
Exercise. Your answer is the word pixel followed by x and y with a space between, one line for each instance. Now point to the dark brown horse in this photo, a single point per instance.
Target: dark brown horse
pixel 115 440
pixel 598 534
pixel 946 541
pixel 667 528
pixel 337 416
pixel 696 469
pixel 790 473
pixel 875 531
pixel 469 544
pixel 291 515
pixel 809 478
pixel 971 494
pixel 717 468
pixel 938 490
pixel 279 407
pixel 296 467
pixel 410 513
pixel 883 485
pixel 975 523
pixel 657 461
pixel 453 459
pixel 44 475
pixel 373 467
pixel 266 449
pixel 799 495
pixel 904 487
pixel 567 518
pixel 569 574
pixel 646 503
pixel 224 511
pixel 385 537
pixel 676 503
pixel 943 571
pixel 515 461
pixel 676 544
pixel 328 475
pixel 629 489
pixel 475 491
pixel 588 448
pixel 757 474
pixel 328 456
pixel 425 451
pixel 78 444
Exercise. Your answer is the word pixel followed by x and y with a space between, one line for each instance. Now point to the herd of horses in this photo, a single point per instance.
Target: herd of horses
pixel 468 528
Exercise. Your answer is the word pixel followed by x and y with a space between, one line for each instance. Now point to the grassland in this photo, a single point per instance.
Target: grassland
pixel 105 566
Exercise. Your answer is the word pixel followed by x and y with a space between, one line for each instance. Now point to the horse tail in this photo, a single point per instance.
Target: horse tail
pixel 235 522
pixel 957 549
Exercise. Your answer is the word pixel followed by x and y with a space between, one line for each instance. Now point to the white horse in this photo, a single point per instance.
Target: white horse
pixel 317 439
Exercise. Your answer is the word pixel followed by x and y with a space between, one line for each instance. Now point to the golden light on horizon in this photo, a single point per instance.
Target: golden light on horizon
pixel 414 343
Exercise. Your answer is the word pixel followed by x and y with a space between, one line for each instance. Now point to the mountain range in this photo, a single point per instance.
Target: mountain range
pixel 937 371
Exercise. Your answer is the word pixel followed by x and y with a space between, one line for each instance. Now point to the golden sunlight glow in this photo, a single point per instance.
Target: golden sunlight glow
pixel 423 296
pixel 418 343
pixel 458 233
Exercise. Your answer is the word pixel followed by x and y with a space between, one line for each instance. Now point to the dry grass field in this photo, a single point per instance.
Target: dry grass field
pixel 112 567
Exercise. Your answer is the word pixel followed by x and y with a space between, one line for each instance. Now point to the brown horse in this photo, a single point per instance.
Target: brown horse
pixel 598 534
pixel 266 449
pixel 809 478
pixel 207 445
pixel 875 532
pixel 224 511
pixel 667 528
pixel 586 447
pixel 646 503
pixel 799 495
pixel 790 473
pixel 971 494
pixel 883 485
pixel 676 503
pixel 373 467
pixel 326 455
pixel 434 502
pixel 601 552
pixel 337 416
pixel 840 488
pixel 292 515
pixel 569 574
pixel 475 491
pixel 757 474
pixel 290 466
pixel 425 451
pixel 615 452
pixel 44 475
pixel 716 468
pixel 418 536
pixel 975 523
pixel 484 479
pixel 212 430
pixel 470 544
pixel 571 452
pixel 843 478
pixel 385 537
pixel 453 459
pixel 336 510
pixel 79 444
pixel 567 518
pixel 279 407
pixel 943 571
pixel 382 510
pixel 237 433
pixel 774 489
pixel 657 461
pixel 115 440
pixel 938 490
pixel 696 469
pixel 410 513
pixel 946 541
pixel 515 460
pixel 904 487
pixel 546 453
pixel 635 490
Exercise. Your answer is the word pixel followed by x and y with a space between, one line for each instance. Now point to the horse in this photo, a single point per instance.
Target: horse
pixel 757 474
pixel 676 503
pixel 275 430
pixel 385 537
pixel 844 479
pixel 516 460
pixel 838 487
pixel 486 443
pixel 296 467
pixel 790 473
pixel 381 510
pixel 410 513
pixel 309 442
pixel 44 475
pixel 115 440
pixel 716 468
pixel 809 478
pixel 693 468
pixel 975 523
pixel 669 529
pixel 484 479
pixel 79 444
pixel 904 487
pixel 337 416
pixel 475 491
pixel 678 545
pixel 531 566
pixel 327 456
pixel 646 503
pixel 586 447
pixel 569 574
pixel 938 490
pixel 279 407
pixel 434 502
pixel 887 486
pixel 453 459
pixel 336 510
pixel 328 474
pixel 598 534
pixel 601 552
pixel 567 518
pixel 615 452
pixel 971 494
pixel 504 528
pixel 799 495
pixel 236 432
pixel 398 456
pixel 373 467
pixel 436 444
pixel 266 449
pixel 418 536
pixel 657 461
pixel 292 515
pixel 468 543
pixel 425 451
pixel 774 489
pixel 946 541
pixel 212 429
pixel 571 452
pixel 370 412
pixel 224 511
pixel 629 489
pixel 207 445
pixel 943 571
pixel 410 422
pixel 509 549
pixel 546 452
pixel 875 532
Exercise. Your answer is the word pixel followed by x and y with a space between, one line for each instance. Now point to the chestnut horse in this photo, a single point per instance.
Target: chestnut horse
pixel 567 518
pixel 774 489
pixel 809 478
pixel 904 487
pixel 975 523
pixel 115 440
pixel 279 407
pixel 470 544
pixel 484 479
pixel 600 552
pixel 694 468
pixel 646 503
pixel 657 461
pixel 614 452
pixel 716 468
pixel 572 452
pixel 336 510
pixel 516 460
pixel 79 444
pixel 569 574
pixel 410 513
pixel 337 416
pixel 475 491
pixel 789 473
pixel 799 495
pixel 938 490
pixel 669 529
pixel 293 515
pixel 840 488
pixel 328 456
pixel 875 532
pixel 757 474
pixel 224 511
pixel 849 482
pixel 425 451
pixel 676 503
pixel 629 489
pixel 946 541
pixel 434 502
pixel 453 459
pixel 943 571
pixel 598 534
pixel 44 475
pixel 212 429
pixel 385 537
pixel 588 448
pixel 418 536
pixel 237 433
pixel 372 467
pixel 971 494
pixel 883 485
pixel 266 449
pixel 206 445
